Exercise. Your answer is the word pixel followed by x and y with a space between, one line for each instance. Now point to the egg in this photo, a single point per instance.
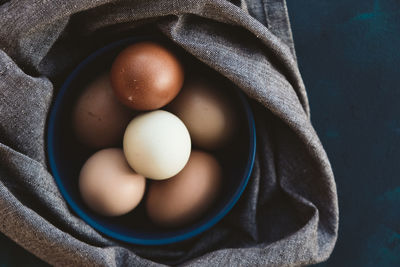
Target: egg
pixel 206 111
pixel 108 185
pixel 146 76
pixel 98 119
pixel 157 144
pixel 186 196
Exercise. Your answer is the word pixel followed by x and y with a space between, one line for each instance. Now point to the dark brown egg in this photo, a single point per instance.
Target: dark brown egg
pixel 186 196
pixel 146 76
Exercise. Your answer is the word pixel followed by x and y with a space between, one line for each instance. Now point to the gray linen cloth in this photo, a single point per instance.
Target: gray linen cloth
pixel 288 214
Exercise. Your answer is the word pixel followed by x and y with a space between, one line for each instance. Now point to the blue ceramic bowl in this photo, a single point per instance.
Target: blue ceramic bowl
pixel 66 156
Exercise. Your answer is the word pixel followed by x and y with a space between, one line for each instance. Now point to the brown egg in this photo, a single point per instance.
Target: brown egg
pixel 108 185
pixel 186 196
pixel 206 111
pixel 99 120
pixel 146 76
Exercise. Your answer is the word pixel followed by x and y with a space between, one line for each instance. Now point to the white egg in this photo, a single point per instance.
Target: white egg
pixel 157 144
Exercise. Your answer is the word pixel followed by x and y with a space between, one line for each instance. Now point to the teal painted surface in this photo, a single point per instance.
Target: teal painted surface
pixel 349 56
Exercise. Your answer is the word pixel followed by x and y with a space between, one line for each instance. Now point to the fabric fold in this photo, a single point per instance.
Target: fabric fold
pixel 288 214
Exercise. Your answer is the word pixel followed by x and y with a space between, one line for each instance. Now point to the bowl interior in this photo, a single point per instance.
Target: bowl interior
pixel 66 156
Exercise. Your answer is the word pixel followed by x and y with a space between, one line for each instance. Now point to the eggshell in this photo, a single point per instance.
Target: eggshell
pixel 206 111
pixel 186 196
pixel 146 76
pixel 98 119
pixel 108 185
pixel 157 144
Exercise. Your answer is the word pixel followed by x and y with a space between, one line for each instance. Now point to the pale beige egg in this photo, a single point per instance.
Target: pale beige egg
pixel 108 185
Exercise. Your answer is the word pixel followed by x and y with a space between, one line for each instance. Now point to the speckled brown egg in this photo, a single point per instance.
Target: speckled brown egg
pixel 99 119
pixel 186 196
pixel 206 110
pixel 146 76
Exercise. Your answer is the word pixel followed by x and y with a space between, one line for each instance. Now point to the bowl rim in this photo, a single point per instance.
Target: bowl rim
pixel 129 239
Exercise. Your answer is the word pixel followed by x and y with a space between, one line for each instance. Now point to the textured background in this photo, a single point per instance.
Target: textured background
pixel 349 56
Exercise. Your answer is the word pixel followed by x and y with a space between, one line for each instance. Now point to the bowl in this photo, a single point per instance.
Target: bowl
pixel 66 157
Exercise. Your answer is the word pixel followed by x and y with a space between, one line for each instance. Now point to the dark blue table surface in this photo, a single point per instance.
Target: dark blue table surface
pixel 349 56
